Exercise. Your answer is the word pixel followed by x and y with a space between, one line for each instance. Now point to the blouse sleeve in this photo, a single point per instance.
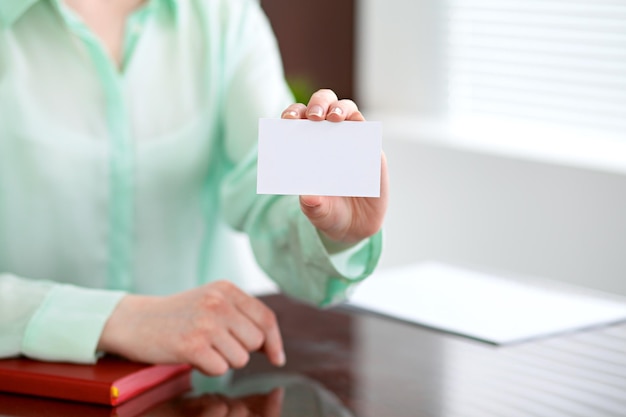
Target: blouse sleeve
pixel 54 322
pixel 286 245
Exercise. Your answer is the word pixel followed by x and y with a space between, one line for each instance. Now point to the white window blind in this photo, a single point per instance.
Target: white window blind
pixel 560 61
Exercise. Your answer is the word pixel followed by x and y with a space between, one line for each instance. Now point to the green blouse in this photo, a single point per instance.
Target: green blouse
pixel 116 180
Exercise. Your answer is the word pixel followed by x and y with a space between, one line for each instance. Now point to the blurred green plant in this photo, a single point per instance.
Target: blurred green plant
pixel 301 87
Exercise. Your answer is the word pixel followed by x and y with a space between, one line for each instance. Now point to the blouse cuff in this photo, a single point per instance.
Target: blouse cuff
pixel 344 268
pixel 354 264
pixel 67 325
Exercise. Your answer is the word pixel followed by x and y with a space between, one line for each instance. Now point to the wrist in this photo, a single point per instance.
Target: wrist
pixel 334 246
pixel 117 332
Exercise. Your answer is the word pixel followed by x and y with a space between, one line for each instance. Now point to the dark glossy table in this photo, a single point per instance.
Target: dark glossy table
pixel 344 363
pixel 380 367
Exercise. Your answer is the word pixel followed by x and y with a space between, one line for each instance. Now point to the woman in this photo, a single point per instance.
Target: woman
pixel 127 147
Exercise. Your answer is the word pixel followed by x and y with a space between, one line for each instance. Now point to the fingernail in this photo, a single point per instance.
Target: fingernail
pixel 315 111
pixel 337 111
pixel 290 113
pixel 281 359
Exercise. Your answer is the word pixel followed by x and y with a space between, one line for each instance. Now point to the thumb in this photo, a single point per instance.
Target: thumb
pixel 323 213
pixel 313 207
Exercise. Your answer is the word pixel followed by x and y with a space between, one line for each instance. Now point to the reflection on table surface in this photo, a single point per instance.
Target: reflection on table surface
pixel 263 395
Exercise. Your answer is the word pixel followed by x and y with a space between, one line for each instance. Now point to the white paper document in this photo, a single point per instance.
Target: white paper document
pixel 482 306
pixel 302 157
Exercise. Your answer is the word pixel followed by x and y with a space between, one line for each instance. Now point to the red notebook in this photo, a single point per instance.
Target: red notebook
pixel 111 381
pixel 16 405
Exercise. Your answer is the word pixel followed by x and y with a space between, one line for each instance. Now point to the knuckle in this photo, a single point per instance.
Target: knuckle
pixel 241 360
pixel 268 318
pixel 214 302
pixel 197 338
pixel 348 102
pixel 191 348
pixel 217 367
pixel 325 94
pixel 214 305
pixel 255 341
pixel 205 327
pixel 325 91
pixel 224 285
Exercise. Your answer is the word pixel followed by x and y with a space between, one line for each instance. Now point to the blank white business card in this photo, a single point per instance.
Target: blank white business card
pixel 302 157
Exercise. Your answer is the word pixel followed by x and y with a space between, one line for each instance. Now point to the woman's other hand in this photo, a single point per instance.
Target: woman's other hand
pixel 213 328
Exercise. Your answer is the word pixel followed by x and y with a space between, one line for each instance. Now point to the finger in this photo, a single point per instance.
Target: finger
pixel 318 209
pixel 313 206
pixel 231 350
pixel 273 346
pixel 384 179
pixel 319 103
pixel 265 321
pixel 237 322
pixel 262 317
pixel 246 332
pixel 209 362
pixel 295 111
pixel 344 110
pixel 311 201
